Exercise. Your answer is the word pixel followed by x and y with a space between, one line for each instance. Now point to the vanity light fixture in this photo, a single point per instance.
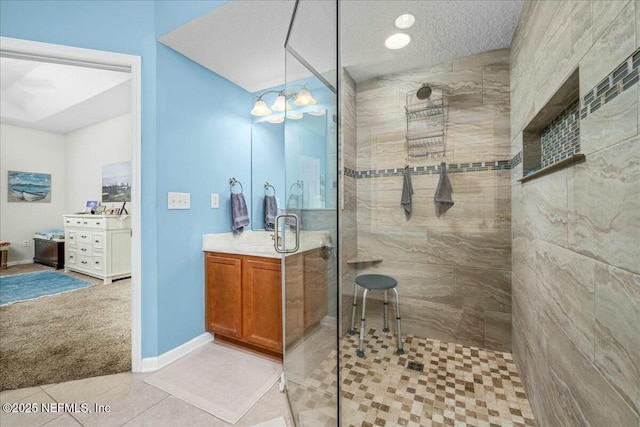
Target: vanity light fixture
pixel 294 116
pixel 276 120
pixel 260 108
pixel 397 41
pixel 302 98
pixel 405 21
pixel 281 103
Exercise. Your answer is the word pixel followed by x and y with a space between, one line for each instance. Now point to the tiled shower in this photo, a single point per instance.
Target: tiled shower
pixel 545 268
pixel 454 271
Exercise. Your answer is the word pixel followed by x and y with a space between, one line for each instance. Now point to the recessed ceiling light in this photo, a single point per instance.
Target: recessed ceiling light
pixel 405 21
pixel 397 41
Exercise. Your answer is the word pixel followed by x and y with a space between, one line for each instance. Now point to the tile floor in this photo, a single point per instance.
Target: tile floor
pixel 132 402
pixel 459 386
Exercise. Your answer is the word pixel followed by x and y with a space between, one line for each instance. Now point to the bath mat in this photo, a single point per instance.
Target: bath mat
pixel 276 422
pixel 219 380
pixel 22 287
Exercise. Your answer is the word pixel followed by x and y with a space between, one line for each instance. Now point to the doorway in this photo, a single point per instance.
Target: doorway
pixel 58 54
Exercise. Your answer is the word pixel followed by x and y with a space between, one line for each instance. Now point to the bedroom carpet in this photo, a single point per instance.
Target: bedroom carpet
pixel 27 286
pixel 223 381
pixel 80 334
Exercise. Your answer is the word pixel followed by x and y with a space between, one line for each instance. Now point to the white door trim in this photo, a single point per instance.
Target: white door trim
pixel 102 59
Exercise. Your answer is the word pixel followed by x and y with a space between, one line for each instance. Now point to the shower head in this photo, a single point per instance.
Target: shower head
pixel 424 92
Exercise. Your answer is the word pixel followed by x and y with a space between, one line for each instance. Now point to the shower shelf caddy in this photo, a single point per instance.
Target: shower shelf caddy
pixel 425 126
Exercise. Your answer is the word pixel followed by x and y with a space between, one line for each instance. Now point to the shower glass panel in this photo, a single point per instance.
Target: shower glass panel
pixel 310 274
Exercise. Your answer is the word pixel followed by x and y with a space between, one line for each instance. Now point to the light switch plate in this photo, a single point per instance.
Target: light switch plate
pixel 215 201
pixel 179 200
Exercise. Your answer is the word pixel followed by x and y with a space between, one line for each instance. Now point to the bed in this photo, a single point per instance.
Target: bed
pixel 49 248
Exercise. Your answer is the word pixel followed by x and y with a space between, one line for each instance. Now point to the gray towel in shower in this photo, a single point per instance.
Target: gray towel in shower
pixel 442 198
pixel 407 191
pixel 239 213
pixel 270 212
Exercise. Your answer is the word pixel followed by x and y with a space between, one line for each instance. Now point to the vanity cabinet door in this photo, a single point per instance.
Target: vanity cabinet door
pixel 223 292
pixel 262 303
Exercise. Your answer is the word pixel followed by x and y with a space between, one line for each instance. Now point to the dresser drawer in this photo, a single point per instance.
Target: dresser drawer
pixel 97 240
pixel 98 263
pixel 94 222
pixel 72 222
pixel 71 238
pixel 71 257
pixel 85 249
pixel 83 236
pixel 84 261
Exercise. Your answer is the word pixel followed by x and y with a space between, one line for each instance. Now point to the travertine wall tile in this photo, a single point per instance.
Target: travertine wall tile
pixel 596 132
pixel 544 208
pixel 615 44
pixel 617 339
pixel 497 330
pixel 604 12
pixel 604 206
pixel 440 262
pixel 572 309
pixel 567 282
pixel 484 289
pixel 584 394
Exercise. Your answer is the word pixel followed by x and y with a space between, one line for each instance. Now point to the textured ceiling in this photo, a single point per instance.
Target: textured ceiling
pixel 444 30
pixel 60 98
pixel 243 39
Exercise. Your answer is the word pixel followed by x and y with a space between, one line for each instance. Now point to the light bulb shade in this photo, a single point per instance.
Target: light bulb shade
pixel 304 99
pixel 317 112
pixel 276 120
pixel 260 109
pixel 294 116
pixel 280 104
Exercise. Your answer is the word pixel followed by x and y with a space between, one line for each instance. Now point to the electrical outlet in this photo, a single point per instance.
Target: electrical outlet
pixel 25 243
pixel 179 200
pixel 215 201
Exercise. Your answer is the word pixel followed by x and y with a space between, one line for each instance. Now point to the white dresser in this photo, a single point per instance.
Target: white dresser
pixel 98 245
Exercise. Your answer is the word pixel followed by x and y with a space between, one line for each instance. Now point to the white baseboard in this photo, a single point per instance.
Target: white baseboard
pixel 151 364
pixel 24 261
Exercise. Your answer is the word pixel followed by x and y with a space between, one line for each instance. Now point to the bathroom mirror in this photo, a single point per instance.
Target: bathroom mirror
pixel 308 178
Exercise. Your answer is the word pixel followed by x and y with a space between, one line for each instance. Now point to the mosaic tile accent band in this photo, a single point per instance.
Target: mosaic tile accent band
pixel 620 79
pixel 434 170
pixel 561 137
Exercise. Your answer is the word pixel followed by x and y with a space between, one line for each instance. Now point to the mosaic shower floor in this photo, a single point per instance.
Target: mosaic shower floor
pixel 459 386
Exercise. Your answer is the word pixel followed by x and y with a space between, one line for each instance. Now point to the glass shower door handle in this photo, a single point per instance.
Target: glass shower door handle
pixel 280 242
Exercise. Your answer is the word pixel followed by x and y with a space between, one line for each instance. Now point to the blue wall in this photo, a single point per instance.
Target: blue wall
pixel 267 153
pixel 204 138
pixel 195 135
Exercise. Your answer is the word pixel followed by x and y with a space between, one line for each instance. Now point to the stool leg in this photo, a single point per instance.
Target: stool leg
pixel 384 313
pixel 360 352
pixel 400 350
pixel 354 305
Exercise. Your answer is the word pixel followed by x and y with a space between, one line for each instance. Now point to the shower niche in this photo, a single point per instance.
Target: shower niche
pixel 425 113
pixel 551 140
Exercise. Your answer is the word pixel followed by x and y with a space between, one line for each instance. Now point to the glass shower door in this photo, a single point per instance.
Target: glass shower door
pixel 310 274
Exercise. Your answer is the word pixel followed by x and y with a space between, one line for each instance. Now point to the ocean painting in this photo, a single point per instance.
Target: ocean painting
pixel 29 187
pixel 116 182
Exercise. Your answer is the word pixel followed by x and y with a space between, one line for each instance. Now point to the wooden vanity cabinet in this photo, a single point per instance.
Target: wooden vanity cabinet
pixel 243 298
pixel 243 303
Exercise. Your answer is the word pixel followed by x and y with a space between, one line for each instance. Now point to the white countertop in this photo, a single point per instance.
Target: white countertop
pixel 260 243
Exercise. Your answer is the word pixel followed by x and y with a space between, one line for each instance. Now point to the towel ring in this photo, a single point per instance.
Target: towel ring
pixel 268 186
pixel 232 183
pixel 298 184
